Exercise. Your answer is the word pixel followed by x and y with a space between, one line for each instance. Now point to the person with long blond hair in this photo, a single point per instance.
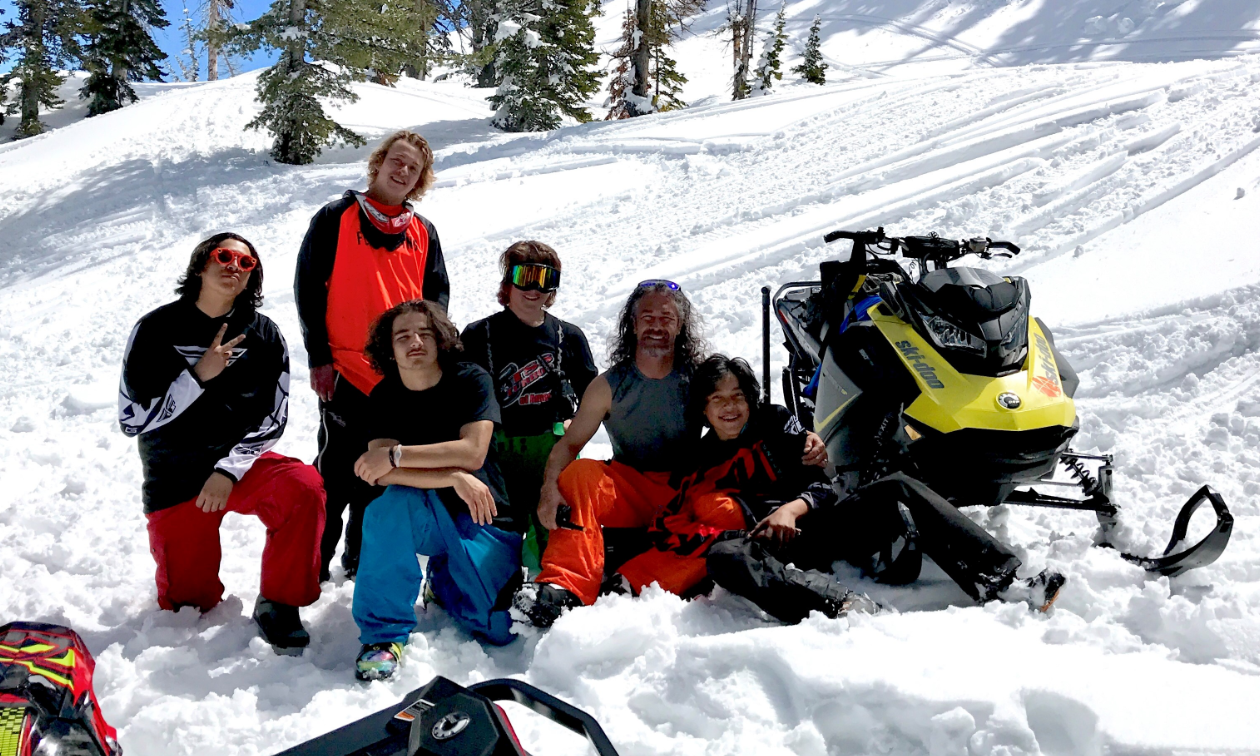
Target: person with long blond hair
pixel 363 253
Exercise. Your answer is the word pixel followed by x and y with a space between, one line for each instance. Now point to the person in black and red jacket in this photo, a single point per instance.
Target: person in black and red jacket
pixel 746 475
pixel 205 390
pixel 363 254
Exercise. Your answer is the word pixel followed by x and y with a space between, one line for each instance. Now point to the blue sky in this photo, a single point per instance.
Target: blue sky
pixel 171 39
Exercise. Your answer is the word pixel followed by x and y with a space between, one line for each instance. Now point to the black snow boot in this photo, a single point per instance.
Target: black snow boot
pixel 541 604
pixel 746 568
pixel 280 625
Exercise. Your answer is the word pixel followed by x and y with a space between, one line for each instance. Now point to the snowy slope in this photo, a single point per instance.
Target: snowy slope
pixel 1117 177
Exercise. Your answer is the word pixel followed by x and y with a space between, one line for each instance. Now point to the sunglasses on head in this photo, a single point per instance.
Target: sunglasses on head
pixel 660 282
pixel 226 257
pixel 534 277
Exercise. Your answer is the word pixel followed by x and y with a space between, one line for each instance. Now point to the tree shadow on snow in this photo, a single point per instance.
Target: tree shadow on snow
pixel 1064 31
pixel 139 204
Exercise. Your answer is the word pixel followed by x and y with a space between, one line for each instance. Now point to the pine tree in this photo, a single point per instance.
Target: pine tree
pixel 667 22
pixel 621 102
pixel 377 38
pixel 741 20
pixel 42 40
pixel 769 67
pixel 324 46
pixel 120 51
pixel 546 56
pixel 217 18
pixel 189 67
pixel 663 73
pixel 812 67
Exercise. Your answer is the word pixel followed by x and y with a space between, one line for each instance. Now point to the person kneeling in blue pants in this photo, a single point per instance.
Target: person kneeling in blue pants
pixel 432 420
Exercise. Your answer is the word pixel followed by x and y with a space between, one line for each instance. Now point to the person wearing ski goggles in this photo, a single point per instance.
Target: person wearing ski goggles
pixel 540 366
pixel 205 391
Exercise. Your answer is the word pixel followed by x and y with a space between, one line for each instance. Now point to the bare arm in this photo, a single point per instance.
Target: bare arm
pixel 468 453
pixel 442 478
pixel 595 405
pixel 471 491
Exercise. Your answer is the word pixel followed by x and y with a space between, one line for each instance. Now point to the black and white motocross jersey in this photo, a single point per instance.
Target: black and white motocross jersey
pixel 188 429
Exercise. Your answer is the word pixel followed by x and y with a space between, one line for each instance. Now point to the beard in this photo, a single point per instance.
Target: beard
pixel 654 345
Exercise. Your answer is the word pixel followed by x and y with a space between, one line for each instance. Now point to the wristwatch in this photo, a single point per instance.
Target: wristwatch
pixel 395 455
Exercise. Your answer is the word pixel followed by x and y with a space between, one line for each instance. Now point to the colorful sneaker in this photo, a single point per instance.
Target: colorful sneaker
pixel 378 661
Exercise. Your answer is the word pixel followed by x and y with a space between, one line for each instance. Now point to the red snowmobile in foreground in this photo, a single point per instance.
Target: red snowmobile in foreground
pixel 47 705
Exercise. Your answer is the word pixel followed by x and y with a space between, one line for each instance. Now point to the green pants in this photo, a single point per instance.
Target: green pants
pixel 523 460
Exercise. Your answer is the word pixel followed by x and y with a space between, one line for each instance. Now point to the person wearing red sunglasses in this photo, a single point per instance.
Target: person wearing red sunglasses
pixel 205 391
pixel 363 254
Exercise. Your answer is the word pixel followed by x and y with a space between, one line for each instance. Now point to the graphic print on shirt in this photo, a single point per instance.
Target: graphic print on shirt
pixel 193 354
pixel 514 382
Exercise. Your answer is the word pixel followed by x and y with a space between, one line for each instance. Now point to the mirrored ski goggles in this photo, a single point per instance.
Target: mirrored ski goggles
pixel 533 277
pixel 660 282
pixel 226 257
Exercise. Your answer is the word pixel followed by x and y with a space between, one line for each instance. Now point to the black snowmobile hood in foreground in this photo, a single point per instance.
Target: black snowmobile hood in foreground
pixel 446 719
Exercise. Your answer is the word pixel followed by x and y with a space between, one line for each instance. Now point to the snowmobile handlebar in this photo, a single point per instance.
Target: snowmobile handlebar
pixel 540 702
pixel 930 248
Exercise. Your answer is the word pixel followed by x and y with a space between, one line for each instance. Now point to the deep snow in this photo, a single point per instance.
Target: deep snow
pixel 1117 176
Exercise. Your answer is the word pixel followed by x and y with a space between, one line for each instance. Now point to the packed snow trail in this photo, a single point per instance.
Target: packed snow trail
pixel 1117 180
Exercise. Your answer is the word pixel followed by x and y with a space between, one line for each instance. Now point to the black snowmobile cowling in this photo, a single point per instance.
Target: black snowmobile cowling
pixel 904 364
pixel 447 719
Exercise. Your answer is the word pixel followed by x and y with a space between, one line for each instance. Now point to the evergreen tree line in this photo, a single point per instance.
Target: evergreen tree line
pixel 538 54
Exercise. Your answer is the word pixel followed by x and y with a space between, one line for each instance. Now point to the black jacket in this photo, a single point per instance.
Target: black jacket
pixel 188 429
pixel 315 267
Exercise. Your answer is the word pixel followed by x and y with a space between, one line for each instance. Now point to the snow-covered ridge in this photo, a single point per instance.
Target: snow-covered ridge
pixel 1118 180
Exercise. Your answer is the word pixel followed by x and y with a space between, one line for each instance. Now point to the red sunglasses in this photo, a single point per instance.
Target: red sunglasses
pixel 226 257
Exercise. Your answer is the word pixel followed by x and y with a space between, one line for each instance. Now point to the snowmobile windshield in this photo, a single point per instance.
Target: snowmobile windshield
pixel 977 319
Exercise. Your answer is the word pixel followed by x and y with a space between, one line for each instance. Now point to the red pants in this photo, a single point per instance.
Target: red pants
pixel 677 564
pixel 287 495
pixel 600 494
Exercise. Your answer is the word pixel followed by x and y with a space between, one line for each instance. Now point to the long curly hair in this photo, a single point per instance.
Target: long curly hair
pixel 189 285
pixel 427 176
pixel 689 348
pixel 380 343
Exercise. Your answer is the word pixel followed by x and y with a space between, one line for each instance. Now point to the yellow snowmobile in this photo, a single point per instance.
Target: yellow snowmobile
pixel 904 364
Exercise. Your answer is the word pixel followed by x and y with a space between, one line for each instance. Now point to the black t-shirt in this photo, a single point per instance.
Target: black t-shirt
pixel 523 360
pixel 415 418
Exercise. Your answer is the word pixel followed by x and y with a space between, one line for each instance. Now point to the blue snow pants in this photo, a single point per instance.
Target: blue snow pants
pixel 468 565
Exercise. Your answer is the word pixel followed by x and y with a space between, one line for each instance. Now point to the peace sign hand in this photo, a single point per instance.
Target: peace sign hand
pixel 216 357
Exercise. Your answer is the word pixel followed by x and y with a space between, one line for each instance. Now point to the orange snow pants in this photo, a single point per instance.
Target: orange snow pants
pixel 600 494
pixel 687 531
